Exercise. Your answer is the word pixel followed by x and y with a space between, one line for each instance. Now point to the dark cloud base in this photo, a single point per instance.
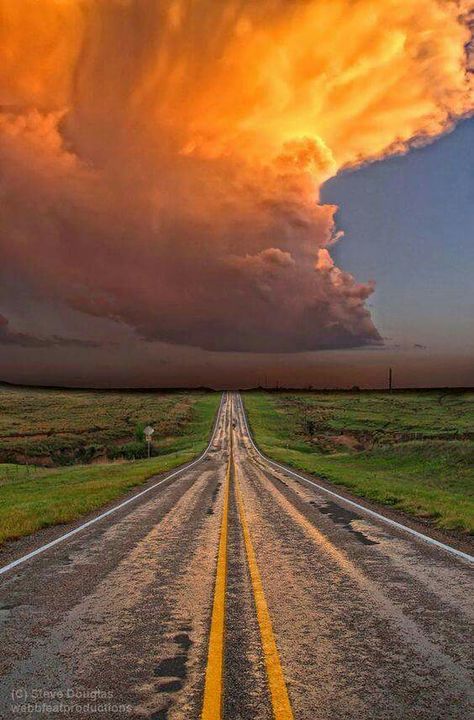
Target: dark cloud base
pixel 160 165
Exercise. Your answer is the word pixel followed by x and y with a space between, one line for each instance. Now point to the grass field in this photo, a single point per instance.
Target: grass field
pixel 66 427
pixel 413 451
pixel 33 497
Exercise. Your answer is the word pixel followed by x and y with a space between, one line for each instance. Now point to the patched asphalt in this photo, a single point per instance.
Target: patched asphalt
pixel 369 622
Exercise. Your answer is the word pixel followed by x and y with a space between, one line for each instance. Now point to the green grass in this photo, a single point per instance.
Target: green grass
pixel 32 498
pixel 415 451
pixel 64 427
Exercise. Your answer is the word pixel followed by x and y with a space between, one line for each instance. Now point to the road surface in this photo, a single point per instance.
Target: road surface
pixel 235 590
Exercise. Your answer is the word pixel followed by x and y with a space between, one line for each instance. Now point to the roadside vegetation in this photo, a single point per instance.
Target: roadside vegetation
pixel 34 497
pixel 66 427
pixel 413 451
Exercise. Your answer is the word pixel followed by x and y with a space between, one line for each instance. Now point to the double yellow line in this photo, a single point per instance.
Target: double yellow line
pixel 213 688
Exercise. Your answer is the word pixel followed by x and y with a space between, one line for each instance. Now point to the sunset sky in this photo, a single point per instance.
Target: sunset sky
pixel 200 192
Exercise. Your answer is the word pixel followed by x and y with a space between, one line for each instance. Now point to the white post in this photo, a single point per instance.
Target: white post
pixel 148 431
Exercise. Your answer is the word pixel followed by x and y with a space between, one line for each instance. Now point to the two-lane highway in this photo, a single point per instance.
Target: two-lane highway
pixel 237 590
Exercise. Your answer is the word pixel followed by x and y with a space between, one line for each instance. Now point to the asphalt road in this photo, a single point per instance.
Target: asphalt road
pixel 235 590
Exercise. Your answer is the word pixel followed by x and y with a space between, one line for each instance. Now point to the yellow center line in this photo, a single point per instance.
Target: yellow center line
pixel 213 687
pixel 276 681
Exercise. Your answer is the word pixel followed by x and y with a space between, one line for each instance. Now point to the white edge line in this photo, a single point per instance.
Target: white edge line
pixel 94 520
pixel 367 511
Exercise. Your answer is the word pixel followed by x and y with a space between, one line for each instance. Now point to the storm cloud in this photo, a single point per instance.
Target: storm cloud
pixel 9 336
pixel 160 162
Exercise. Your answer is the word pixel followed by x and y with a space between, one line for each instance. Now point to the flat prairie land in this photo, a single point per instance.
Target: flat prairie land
pixel 413 451
pixel 66 427
pixel 61 427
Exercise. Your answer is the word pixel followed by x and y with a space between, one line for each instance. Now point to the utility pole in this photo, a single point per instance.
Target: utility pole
pixel 390 379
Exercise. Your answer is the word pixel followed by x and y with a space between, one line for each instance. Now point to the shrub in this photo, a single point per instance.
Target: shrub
pixel 309 426
pixel 129 451
pixel 139 432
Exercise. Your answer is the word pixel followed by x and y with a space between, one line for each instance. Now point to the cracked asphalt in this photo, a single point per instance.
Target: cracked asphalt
pixel 368 622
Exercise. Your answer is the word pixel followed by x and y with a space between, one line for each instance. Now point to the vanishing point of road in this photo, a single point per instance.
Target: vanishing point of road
pixel 235 589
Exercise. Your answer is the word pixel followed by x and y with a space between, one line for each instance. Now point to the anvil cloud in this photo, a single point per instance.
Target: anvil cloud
pixel 160 160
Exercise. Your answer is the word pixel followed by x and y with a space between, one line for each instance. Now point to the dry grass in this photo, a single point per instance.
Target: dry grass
pixel 416 450
pixel 32 498
pixel 65 427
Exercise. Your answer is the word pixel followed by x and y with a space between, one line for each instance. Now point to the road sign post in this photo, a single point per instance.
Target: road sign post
pixel 148 432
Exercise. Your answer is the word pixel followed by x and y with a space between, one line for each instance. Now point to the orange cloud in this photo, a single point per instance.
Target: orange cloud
pixel 162 161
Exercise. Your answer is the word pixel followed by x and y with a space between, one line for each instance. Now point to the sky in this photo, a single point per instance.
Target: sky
pixel 409 224
pixel 236 193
